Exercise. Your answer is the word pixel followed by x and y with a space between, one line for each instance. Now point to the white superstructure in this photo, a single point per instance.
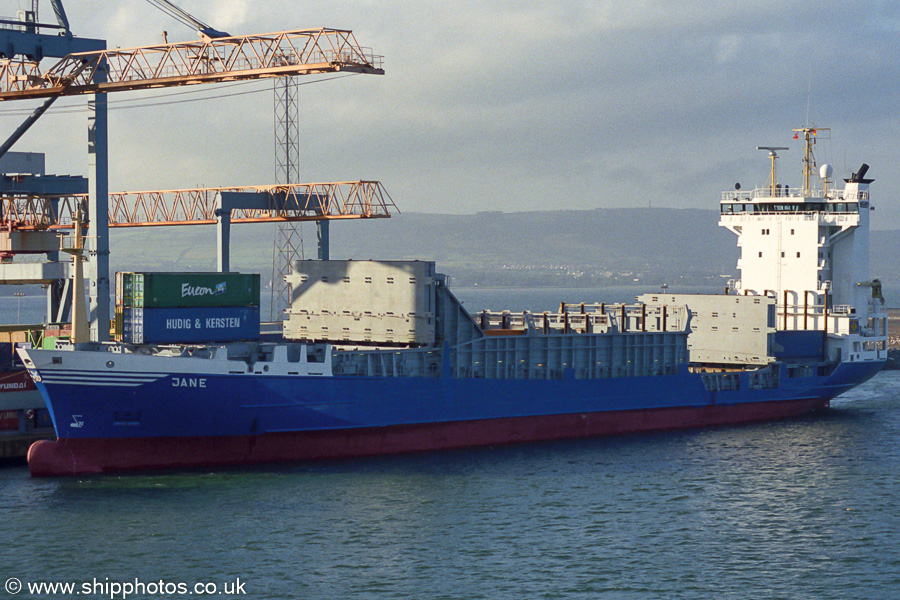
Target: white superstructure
pixel 807 246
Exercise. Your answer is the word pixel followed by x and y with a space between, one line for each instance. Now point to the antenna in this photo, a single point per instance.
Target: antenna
pixel 808 92
pixel 809 160
pixel 773 155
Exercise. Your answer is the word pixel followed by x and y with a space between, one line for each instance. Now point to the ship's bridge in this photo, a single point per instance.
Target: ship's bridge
pixel 762 201
pixel 832 207
pixel 807 248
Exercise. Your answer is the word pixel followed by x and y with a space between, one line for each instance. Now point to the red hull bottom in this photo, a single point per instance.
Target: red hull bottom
pixel 85 456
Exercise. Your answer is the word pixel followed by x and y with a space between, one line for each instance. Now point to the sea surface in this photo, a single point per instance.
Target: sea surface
pixel 800 509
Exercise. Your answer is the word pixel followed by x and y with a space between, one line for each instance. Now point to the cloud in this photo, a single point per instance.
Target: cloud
pixel 229 14
pixel 518 106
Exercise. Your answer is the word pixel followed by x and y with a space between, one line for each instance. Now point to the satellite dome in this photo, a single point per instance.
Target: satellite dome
pixel 825 171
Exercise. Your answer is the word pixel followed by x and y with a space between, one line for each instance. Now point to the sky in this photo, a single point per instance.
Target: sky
pixel 515 106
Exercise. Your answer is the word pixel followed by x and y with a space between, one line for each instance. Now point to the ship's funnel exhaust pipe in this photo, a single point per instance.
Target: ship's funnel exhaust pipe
pixel 860 175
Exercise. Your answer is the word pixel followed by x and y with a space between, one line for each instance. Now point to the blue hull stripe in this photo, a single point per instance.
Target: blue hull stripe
pixel 229 405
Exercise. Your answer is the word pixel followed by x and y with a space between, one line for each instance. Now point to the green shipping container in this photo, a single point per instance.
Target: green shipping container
pixel 187 290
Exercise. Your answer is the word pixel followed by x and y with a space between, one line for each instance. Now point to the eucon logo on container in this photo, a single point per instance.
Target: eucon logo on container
pixel 198 290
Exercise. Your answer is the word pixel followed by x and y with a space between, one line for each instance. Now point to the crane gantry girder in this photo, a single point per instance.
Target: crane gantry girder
pixel 198 206
pixel 301 52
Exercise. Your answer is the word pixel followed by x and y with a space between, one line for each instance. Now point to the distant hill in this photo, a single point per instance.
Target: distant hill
pixel 639 245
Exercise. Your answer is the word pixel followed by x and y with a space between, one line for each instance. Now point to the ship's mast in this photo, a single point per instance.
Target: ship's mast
pixel 772 155
pixel 809 159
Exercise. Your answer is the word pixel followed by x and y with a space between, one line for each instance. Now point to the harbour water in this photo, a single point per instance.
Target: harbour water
pixel 804 508
pixel 797 509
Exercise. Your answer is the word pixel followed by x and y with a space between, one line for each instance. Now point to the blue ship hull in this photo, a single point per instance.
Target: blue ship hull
pixel 138 420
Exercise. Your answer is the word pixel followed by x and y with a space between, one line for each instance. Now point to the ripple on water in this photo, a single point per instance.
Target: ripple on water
pixel 796 509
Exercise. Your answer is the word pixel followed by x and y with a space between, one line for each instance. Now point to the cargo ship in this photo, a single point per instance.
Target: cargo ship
pixel 380 357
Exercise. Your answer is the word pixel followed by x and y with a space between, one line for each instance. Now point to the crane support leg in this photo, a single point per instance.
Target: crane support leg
pixel 59 300
pixel 26 125
pixel 98 213
pixel 223 239
pixel 324 245
pixel 225 203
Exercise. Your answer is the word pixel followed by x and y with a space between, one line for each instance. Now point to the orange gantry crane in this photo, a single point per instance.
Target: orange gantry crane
pixel 220 206
pixel 200 206
pixel 95 70
pixel 282 54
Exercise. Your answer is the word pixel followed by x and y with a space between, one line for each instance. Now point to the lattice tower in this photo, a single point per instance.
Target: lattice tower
pixel 288 242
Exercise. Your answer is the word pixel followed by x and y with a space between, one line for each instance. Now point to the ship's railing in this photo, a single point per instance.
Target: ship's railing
pixel 834 323
pixel 507 323
pixel 766 193
pixel 585 318
pixel 635 317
